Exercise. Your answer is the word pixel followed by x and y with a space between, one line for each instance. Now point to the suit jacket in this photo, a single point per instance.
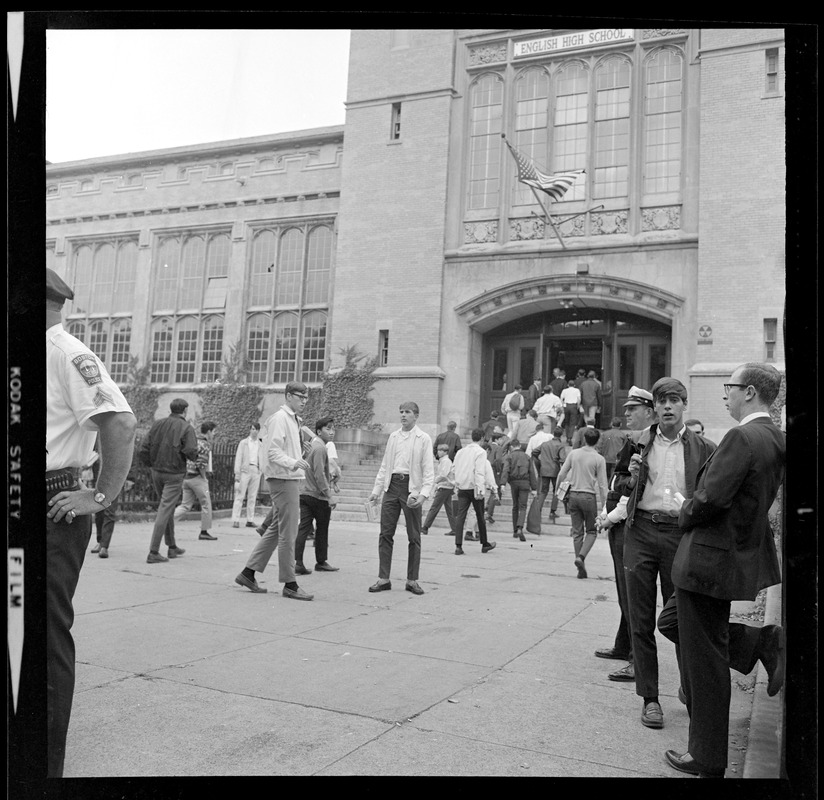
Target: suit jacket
pixel 421 467
pixel 727 550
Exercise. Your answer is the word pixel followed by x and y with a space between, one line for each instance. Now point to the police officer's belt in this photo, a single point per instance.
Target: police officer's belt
pixel 59 480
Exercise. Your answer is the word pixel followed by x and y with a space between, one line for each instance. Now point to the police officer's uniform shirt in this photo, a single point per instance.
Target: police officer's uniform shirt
pixel 77 387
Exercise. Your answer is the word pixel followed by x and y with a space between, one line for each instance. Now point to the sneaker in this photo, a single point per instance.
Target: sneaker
pixel 176 551
pixel 104 552
pixel 155 558
pixel 235 524
pixel 459 551
pixel 579 562
pixel 488 546
pixel 207 535
pixel 250 524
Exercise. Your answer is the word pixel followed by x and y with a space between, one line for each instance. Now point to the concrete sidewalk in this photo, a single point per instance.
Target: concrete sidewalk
pixel 491 672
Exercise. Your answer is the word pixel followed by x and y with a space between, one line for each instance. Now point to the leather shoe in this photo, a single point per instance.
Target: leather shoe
pixel 771 655
pixel 325 567
pixel 459 551
pixel 104 552
pixel 412 586
pixel 297 594
pixel 96 548
pixel 155 558
pixel 380 587
pixel 470 537
pixel 301 570
pixel 250 524
pixel 205 535
pixel 626 673
pixel 652 715
pixel 174 552
pixel 579 562
pixel 686 763
pixel 611 652
pixel 250 583
pixel 488 546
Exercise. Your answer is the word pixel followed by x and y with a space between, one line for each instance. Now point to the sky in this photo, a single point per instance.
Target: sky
pixel 111 92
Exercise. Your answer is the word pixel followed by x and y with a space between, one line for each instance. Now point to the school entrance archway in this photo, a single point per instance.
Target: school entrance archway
pixel 623 350
pixel 619 328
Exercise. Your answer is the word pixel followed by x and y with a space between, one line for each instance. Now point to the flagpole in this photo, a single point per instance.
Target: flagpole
pixel 549 218
pixel 537 198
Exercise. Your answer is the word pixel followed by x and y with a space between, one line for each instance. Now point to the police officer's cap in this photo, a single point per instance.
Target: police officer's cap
pixel 639 397
pixel 56 288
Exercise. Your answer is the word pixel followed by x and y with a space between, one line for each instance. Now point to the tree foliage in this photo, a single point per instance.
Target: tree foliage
pixel 345 394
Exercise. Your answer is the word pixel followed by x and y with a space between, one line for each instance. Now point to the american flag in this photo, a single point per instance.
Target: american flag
pixel 554 185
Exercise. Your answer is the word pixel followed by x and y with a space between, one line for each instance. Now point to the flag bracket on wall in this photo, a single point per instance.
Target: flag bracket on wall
pixel 554 186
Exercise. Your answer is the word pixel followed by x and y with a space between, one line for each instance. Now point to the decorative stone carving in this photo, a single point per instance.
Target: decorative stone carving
pixel 614 290
pixel 637 295
pixel 519 294
pixel 609 222
pixel 566 287
pixel 488 54
pixel 661 219
pixel 661 303
pixel 480 232
pixel 520 229
pixel 590 287
pixel 542 290
pixel 572 227
pixel 476 310
pixel 496 301
pixel 656 33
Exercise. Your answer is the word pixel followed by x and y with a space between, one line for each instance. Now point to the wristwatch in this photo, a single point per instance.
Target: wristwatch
pixel 100 498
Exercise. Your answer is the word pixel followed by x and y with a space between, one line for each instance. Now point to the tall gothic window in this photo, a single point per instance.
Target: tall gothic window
pixel 191 281
pixel 571 124
pixel 103 277
pixel 611 173
pixel 485 144
pixel 531 111
pixel 290 273
pixel 662 122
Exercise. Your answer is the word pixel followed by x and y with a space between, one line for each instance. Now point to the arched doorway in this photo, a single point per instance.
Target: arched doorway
pixel 624 349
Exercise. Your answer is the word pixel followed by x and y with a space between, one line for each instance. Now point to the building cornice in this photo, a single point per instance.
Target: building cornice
pixel 206 150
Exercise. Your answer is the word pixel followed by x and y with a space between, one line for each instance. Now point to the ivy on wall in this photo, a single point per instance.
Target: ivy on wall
pixel 345 393
pixel 233 407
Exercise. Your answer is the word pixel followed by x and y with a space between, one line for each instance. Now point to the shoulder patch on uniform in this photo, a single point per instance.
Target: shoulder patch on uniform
pixel 86 365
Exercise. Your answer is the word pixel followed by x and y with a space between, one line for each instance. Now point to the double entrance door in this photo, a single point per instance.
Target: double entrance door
pixel 620 361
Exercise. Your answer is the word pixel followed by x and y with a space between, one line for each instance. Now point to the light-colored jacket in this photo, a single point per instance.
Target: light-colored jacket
pixel 470 472
pixel 242 462
pixel 421 464
pixel 282 445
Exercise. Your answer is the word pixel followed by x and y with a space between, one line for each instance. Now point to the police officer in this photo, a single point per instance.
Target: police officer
pixel 83 403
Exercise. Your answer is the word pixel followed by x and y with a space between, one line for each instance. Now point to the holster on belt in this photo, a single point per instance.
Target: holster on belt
pixel 62 480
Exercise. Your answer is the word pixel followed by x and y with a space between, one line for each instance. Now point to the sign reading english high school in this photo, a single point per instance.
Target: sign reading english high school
pixel 566 41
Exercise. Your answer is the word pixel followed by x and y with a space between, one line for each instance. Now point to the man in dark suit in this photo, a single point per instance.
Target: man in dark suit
pixel 727 553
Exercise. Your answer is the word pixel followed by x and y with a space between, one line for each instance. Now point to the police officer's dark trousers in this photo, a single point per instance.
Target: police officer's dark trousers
pixel 66 545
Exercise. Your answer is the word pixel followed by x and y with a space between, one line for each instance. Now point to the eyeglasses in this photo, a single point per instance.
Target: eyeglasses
pixel 728 386
pixel 301 396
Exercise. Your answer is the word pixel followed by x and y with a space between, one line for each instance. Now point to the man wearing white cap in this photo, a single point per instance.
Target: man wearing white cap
pixel 639 414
